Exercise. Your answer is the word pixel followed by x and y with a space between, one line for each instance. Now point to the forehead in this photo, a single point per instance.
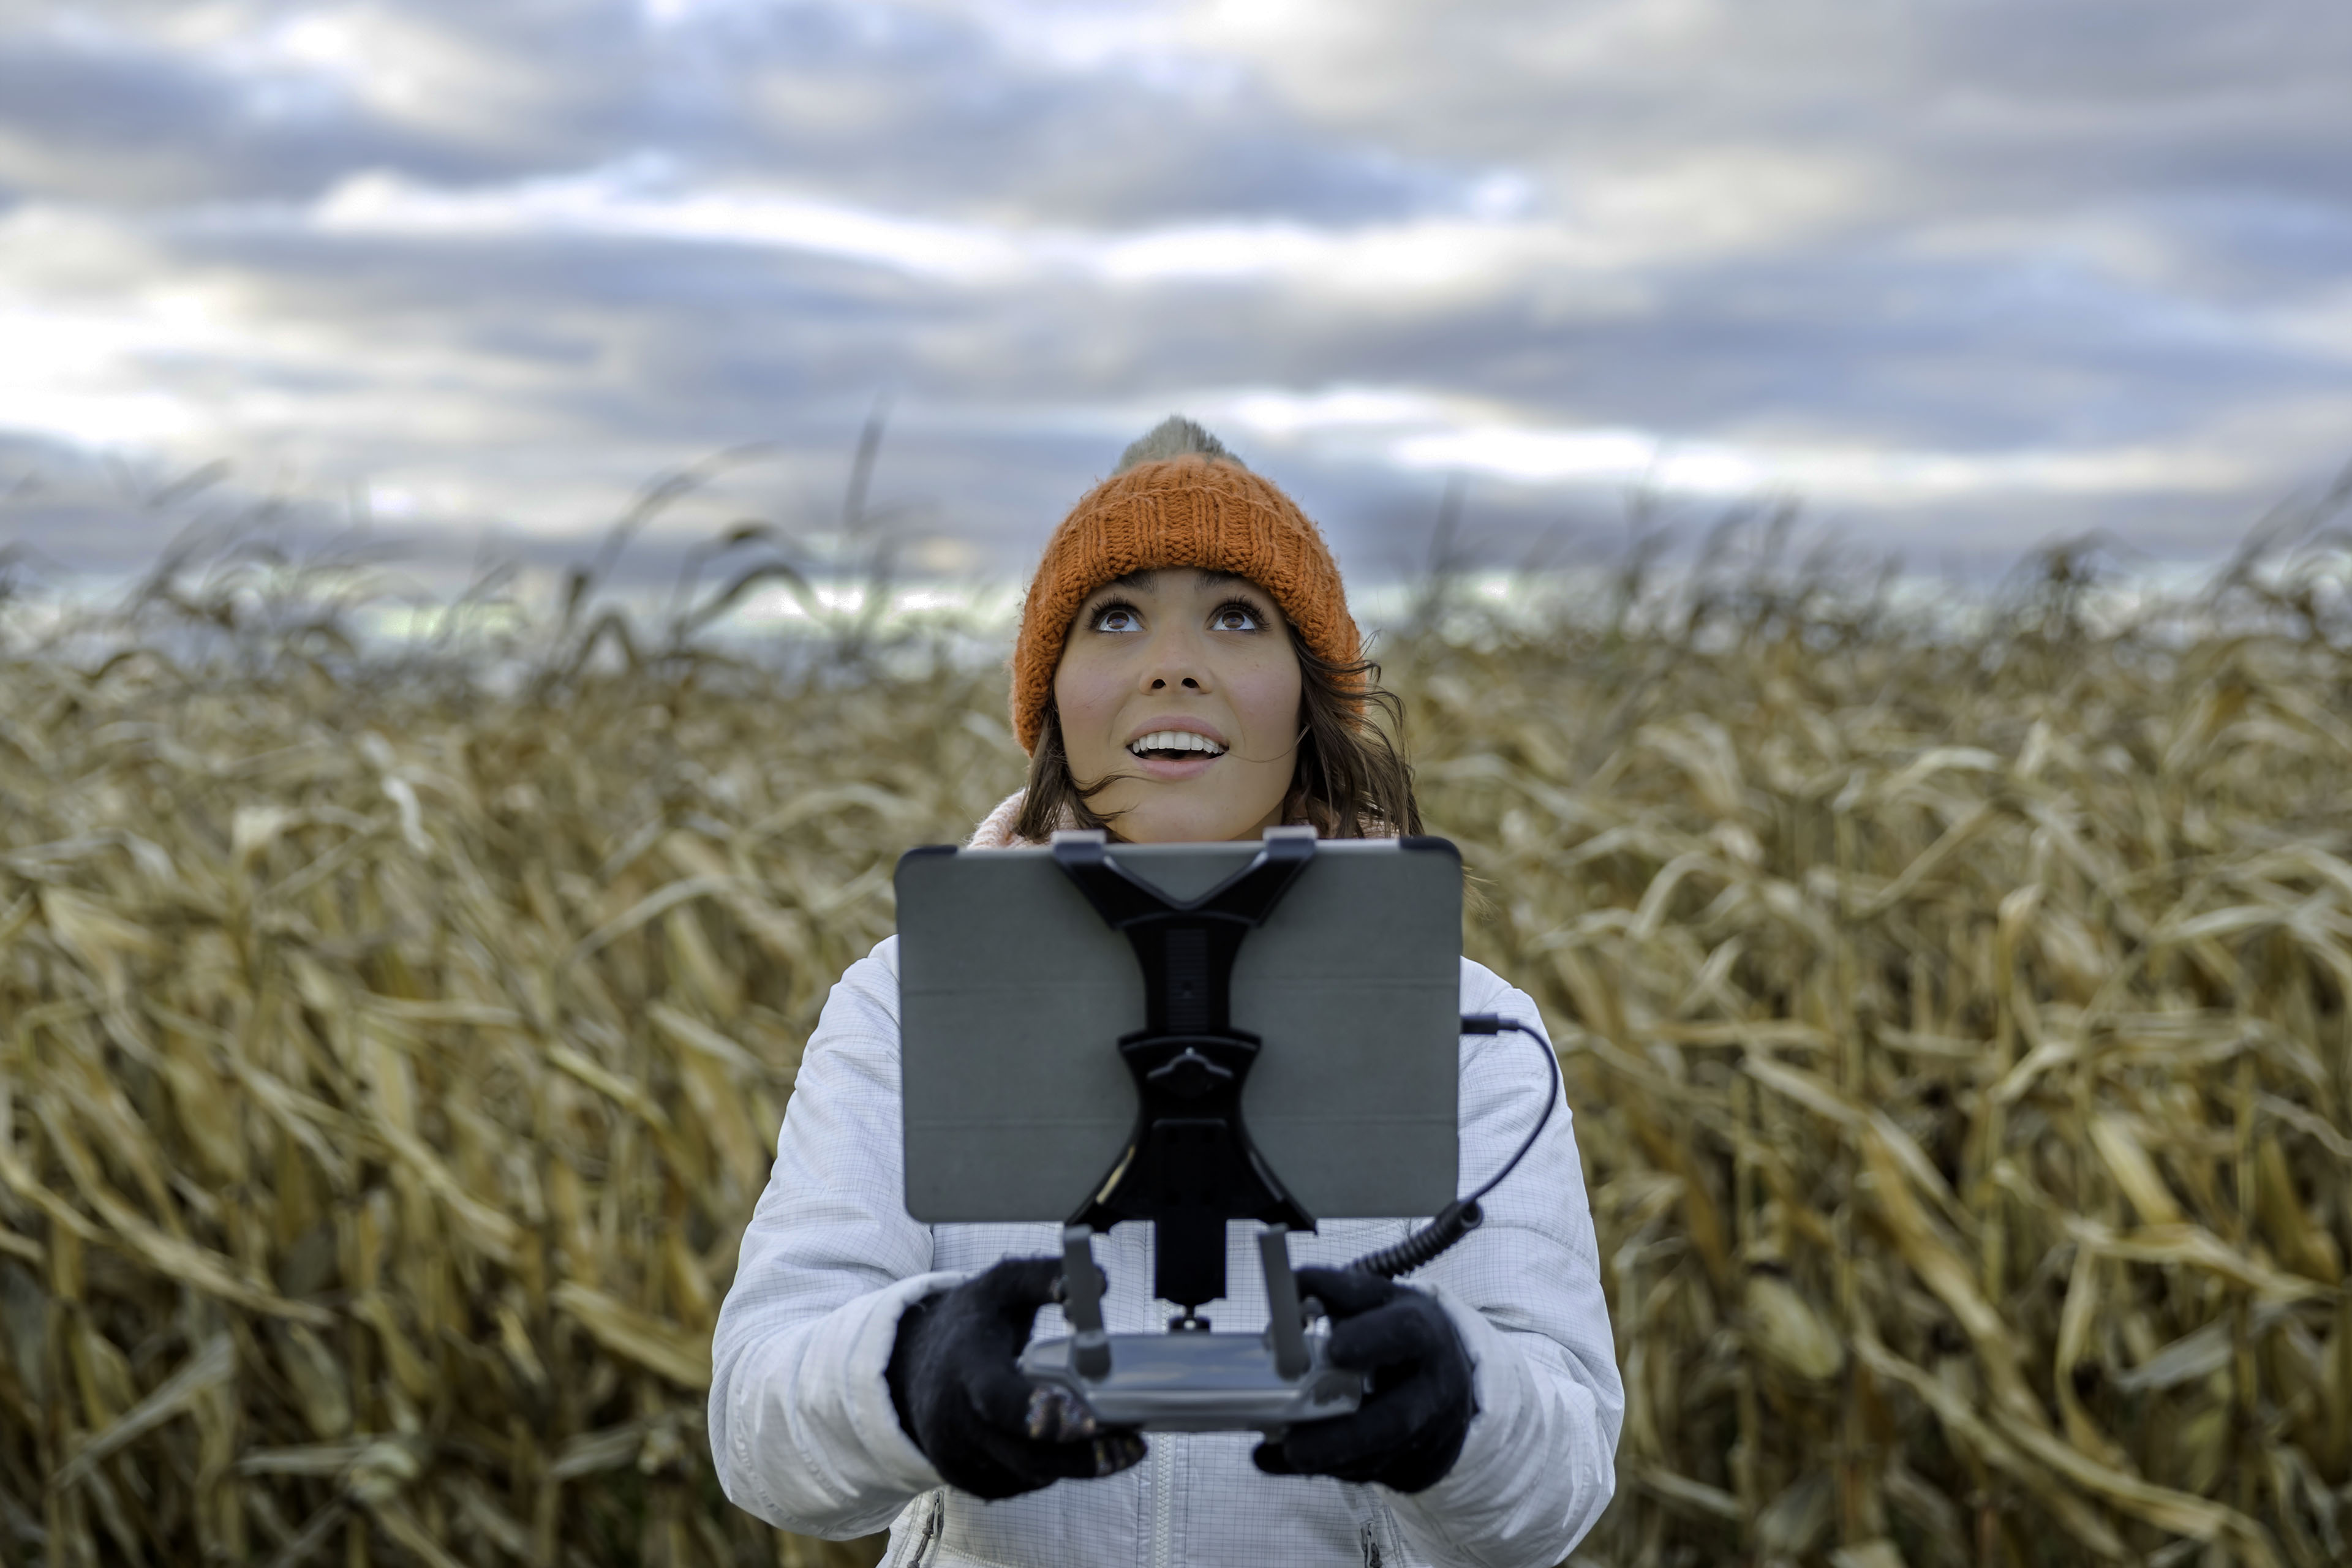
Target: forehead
pixel 1177 580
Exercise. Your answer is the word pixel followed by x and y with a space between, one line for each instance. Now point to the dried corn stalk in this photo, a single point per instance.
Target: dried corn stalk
pixel 1956 1032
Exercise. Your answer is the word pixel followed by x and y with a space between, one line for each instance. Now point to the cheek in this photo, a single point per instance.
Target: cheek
pixel 1087 698
pixel 1266 697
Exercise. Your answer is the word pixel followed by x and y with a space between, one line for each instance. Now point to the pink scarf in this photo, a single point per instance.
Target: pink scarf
pixel 995 829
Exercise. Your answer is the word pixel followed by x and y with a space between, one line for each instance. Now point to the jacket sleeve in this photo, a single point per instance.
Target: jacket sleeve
pixel 802 1428
pixel 1539 1464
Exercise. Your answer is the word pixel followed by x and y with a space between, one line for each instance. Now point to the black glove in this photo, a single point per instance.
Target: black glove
pixel 960 1396
pixel 1409 1430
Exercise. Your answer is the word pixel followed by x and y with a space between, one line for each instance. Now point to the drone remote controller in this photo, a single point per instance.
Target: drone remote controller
pixel 1188 1379
pixel 1191 1167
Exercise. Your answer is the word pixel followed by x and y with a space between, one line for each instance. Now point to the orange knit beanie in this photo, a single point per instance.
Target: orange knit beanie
pixel 1199 508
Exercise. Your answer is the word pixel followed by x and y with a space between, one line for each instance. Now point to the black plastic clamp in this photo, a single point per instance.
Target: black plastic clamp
pixel 1188 1166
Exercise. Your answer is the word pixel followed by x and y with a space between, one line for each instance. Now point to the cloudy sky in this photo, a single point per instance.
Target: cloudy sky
pixel 1959 275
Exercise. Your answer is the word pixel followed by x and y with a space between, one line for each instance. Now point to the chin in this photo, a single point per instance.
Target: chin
pixel 1172 821
pixel 1139 829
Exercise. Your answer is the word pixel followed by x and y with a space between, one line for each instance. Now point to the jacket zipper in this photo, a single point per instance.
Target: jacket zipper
pixel 935 1531
pixel 912 1557
pixel 1163 1504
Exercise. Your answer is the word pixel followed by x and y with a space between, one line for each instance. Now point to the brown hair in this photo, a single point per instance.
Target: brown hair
pixel 1350 781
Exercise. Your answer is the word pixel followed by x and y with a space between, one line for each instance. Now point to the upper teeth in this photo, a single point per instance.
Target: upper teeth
pixel 1175 741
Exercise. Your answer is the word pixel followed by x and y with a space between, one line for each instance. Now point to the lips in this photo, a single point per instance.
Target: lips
pixel 1175 745
pixel 1173 750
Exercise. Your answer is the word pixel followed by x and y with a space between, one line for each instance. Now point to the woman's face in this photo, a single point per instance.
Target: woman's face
pixel 1200 663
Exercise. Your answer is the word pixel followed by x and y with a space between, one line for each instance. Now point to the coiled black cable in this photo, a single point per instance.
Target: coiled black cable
pixel 1460 1217
pixel 1455 1221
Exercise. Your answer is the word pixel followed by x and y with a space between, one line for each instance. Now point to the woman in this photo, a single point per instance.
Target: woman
pixel 1186 670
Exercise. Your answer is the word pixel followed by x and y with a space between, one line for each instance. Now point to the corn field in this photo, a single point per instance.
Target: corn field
pixel 1955 1021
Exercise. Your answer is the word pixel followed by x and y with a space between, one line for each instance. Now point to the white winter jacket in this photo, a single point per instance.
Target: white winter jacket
pixel 801 1421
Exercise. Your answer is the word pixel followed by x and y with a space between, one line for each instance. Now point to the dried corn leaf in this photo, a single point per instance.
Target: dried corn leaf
pixel 211 1366
pixel 682 1358
pixel 2113 1136
pixel 1783 1326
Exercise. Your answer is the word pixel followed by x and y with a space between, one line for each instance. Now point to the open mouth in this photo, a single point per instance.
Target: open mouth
pixel 1174 745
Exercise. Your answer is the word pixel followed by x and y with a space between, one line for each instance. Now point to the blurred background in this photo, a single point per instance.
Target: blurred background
pixel 1959 277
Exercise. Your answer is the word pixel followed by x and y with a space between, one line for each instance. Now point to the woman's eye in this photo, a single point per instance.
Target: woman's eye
pixel 1235 618
pixel 1116 618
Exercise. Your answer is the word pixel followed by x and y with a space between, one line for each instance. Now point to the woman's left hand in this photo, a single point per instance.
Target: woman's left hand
pixel 1409 1430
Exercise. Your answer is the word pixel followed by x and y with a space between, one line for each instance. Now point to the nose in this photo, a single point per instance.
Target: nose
pixel 1176 663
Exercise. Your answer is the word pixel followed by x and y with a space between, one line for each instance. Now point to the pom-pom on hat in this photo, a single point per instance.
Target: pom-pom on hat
pixel 1177 498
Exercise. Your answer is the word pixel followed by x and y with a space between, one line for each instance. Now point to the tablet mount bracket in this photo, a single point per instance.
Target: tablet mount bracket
pixel 1188 1166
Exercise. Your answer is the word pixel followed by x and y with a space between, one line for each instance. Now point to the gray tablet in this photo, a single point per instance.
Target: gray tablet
pixel 1014 993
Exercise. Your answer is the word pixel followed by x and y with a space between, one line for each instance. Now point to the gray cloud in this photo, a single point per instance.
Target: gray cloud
pixel 124 119
pixel 929 109
pixel 1965 275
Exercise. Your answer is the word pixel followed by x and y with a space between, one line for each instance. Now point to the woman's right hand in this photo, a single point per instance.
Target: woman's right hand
pixel 960 1396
